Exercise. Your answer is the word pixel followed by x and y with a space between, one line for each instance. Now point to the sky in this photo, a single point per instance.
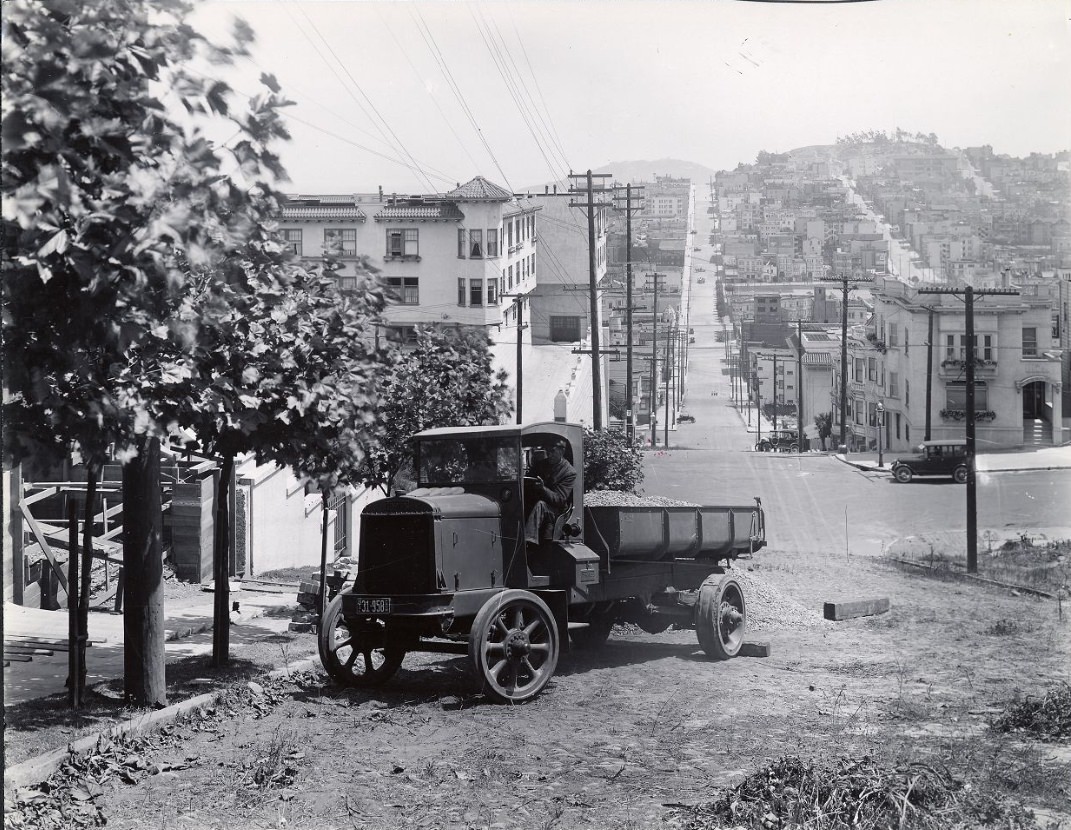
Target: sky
pixel 418 96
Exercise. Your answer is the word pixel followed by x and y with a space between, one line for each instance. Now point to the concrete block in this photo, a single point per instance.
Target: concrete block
pixel 855 608
pixel 754 649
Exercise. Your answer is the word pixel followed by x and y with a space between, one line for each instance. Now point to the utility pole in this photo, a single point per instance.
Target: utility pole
pixel 968 293
pixel 668 369
pixel 847 283
pixel 929 378
pixel 799 381
pixel 767 357
pixel 630 417
pixel 518 302
pixel 654 362
pixel 596 361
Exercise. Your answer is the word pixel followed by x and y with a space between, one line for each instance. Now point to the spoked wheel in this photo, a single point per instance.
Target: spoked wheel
pixel 355 652
pixel 513 646
pixel 959 475
pixel 721 618
pixel 902 474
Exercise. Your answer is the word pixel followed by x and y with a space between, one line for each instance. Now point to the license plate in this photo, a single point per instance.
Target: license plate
pixel 368 605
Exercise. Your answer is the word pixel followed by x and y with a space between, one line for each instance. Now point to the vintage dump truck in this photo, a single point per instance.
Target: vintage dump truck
pixel 445 567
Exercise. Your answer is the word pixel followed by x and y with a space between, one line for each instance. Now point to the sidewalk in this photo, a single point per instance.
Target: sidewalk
pixel 1002 461
pixel 188 625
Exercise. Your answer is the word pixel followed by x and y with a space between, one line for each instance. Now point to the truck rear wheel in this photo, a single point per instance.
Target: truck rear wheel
pixel 513 646
pixel 355 653
pixel 721 618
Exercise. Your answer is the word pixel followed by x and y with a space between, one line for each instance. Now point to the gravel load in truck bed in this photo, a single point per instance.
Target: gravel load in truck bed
pixel 619 498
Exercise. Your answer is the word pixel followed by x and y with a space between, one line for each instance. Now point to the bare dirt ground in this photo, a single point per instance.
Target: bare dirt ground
pixel 625 732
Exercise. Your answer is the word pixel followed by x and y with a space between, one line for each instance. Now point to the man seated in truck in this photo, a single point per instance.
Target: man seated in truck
pixel 551 493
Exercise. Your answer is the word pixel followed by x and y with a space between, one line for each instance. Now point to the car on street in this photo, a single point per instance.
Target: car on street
pixel 701 280
pixel 780 440
pixel 945 457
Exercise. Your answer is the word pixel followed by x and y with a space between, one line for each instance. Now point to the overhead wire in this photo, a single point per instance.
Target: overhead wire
pixel 414 166
pixel 433 47
pixel 512 87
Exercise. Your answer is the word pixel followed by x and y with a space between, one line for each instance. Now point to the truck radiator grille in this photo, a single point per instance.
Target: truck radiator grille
pixel 397 554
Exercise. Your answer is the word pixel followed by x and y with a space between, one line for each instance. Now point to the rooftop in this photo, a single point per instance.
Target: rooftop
pixel 479 189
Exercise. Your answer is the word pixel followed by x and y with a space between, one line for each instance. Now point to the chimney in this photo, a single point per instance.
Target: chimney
pixel 381 193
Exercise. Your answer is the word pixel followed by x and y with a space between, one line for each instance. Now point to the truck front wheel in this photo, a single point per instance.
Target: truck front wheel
pixel 721 618
pixel 513 646
pixel 355 653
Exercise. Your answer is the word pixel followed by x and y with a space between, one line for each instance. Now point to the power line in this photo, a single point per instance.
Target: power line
pixel 433 47
pixel 415 167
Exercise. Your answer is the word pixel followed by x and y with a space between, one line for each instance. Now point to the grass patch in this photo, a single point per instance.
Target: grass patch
pixel 1047 718
pixel 792 792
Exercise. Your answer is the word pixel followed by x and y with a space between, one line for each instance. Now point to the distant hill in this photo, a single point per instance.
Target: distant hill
pixel 636 171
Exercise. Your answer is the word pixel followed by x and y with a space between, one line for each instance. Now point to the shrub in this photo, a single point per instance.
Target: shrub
pixel 611 461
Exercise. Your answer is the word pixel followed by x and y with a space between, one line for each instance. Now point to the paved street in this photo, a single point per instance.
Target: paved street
pixel 808 497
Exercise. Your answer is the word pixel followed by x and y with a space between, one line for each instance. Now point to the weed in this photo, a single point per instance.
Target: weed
pixel 276 765
pixel 1047 718
pixel 1003 628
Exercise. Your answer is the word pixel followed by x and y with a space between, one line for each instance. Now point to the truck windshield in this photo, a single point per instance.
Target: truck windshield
pixel 468 460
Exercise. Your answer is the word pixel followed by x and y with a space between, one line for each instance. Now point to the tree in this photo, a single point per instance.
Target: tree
pixel 611 461
pixel 824 422
pixel 446 379
pixel 107 199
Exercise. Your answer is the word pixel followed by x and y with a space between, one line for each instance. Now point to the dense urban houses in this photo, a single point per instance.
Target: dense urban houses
pixel 447 259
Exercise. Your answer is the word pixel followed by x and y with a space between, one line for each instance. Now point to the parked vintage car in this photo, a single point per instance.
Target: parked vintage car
pixel 781 440
pixel 946 457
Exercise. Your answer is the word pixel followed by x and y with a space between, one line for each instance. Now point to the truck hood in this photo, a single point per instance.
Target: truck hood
pixel 444 502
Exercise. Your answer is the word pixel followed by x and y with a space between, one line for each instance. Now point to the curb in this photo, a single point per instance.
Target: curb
pixel 36 770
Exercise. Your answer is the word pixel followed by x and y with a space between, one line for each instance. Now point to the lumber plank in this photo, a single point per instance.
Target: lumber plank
pixel 855 608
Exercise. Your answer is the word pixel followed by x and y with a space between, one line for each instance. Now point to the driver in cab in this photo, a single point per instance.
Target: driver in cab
pixel 551 492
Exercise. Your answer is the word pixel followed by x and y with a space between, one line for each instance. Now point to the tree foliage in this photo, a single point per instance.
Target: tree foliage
pixel 108 201
pixel 611 461
pixel 445 380
pixel 824 422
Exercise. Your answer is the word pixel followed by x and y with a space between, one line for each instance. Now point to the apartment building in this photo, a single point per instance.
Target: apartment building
pixel 446 259
pixel 1017 376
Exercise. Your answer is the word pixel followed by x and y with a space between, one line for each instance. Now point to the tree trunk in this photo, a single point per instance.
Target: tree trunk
pixel 323 563
pixel 92 473
pixel 221 617
pixel 143 591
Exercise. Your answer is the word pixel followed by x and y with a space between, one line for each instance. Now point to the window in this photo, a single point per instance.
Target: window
pixel 510 280
pixel 907 433
pixel 341 240
pixel 986 348
pixel 476 244
pixel 492 242
pixel 956 395
pixel 1030 341
pixel 460 291
pixel 891 334
pixel 898 426
pixel 950 347
pixel 292 240
pixel 860 370
pixel 533 265
pixel 894 385
pixel 492 284
pixel 509 234
pixel 907 394
pixel 460 243
pixel 405 289
pixel 564 329
pixel 907 334
pixel 871 369
pixel 475 292
pixel 403 242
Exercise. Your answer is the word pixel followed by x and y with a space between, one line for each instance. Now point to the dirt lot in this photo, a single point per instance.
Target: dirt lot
pixel 646 722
